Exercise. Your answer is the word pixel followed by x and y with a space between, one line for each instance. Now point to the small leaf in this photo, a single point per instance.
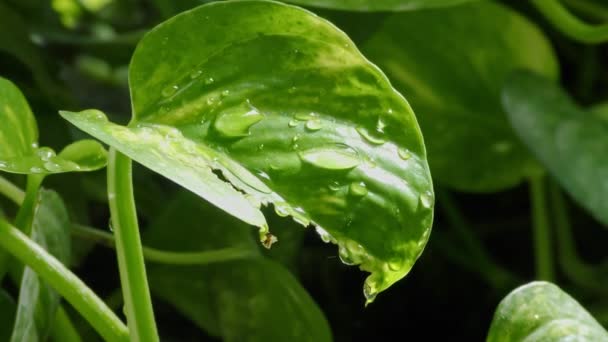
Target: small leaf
pixel 541 311
pixel 19 151
pixel 38 301
pixel 451 64
pixel 243 300
pixel 282 127
pixel 569 141
pixel 379 5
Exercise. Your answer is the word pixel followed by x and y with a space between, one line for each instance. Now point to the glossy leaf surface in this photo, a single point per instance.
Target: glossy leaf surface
pixel 379 5
pixel 451 64
pixel 19 151
pixel 312 127
pixel 253 299
pixel 541 311
pixel 38 302
pixel 568 140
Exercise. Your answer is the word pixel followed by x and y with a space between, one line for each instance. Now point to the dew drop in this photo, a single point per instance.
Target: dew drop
pixel 209 80
pixel 370 292
pixel 358 189
pixel 404 153
pixel 96 115
pixel 45 153
pixel 426 199
pixel 34 145
pixel 345 256
pixel 314 124
pixel 170 90
pixel 3 163
pixel 225 92
pixel 305 116
pixel 35 169
pixel 292 123
pixel 335 157
pixel 196 74
pixel 380 125
pixel 324 235
pixel 394 264
pixel 51 166
pixel 374 139
pixel 334 186
pixel 282 209
pixel 236 122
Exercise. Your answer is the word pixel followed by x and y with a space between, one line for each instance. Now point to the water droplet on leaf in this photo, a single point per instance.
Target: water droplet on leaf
pixel 236 122
pixel 404 153
pixel 292 123
pixel 169 91
pixel 51 166
pixel 374 139
pixel 426 199
pixel 314 124
pixel 35 169
pixel 335 157
pixel 358 189
pixel 196 74
pixel 45 153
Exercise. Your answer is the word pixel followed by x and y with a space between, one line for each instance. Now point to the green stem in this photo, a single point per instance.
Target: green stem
pixel 570 25
pixel 579 272
pixel 66 283
pixel 11 191
pixel 138 303
pixel 63 329
pixel 166 257
pixel 589 8
pixel 478 259
pixel 542 233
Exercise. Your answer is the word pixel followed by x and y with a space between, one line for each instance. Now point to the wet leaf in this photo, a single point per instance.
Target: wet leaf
pixel 568 140
pixel 295 127
pixel 451 64
pixel 37 301
pixel 19 150
pixel 379 5
pixel 541 311
pixel 253 299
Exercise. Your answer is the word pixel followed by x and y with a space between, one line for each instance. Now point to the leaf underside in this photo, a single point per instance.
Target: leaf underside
pixel 313 128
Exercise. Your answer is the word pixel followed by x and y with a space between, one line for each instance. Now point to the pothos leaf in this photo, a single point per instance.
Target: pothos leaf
pixel 452 72
pixel 541 311
pixel 568 140
pixel 38 302
pixel 19 150
pixel 379 5
pixel 287 109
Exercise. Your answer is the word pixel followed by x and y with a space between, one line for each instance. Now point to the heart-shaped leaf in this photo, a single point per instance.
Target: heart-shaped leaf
pixel 451 64
pixel 569 141
pixel 38 302
pixel 19 151
pixel 253 299
pixel 541 311
pixel 283 105
pixel 379 5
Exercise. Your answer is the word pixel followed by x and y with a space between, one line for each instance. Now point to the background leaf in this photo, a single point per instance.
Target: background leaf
pixel 541 311
pixel 569 141
pixel 451 65
pixel 37 301
pixel 313 128
pixel 19 151
pixel 7 315
pixel 243 300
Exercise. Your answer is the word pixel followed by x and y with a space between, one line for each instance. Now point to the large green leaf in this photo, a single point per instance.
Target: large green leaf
pixel 541 311
pixel 38 301
pixel 7 315
pixel 242 300
pixel 569 141
pixel 19 150
pixel 451 64
pixel 379 5
pixel 312 127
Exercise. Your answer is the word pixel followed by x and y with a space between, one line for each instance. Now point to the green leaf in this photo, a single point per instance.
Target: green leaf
pixel 7 315
pixel 541 311
pixel 246 300
pixel 19 151
pixel 313 128
pixel 569 141
pixel 451 64
pixel 379 5
pixel 38 301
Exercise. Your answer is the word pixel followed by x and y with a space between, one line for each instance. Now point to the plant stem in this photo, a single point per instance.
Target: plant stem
pixel 579 272
pixel 589 8
pixel 63 329
pixel 165 257
pixel 570 25
pixel 542 233
pixel 138 303
pixel 11 191
pixel 66 283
